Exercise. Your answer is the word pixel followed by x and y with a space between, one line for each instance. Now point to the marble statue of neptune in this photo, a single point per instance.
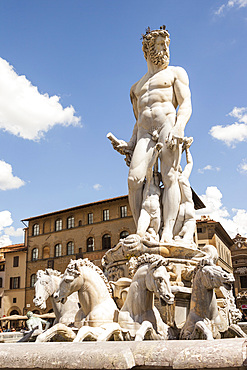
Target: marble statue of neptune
pixel 161 102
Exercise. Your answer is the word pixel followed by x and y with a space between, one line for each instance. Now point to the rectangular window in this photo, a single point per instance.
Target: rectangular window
pixel 243 281
pixel 70 248
pixel 14 300
pixel 50 264
pixel 58 225
pixel 58 250
pixel 199 230
pixel 35 229
pixel 14 282
pixel 106 215
pixel 70 222
pixel 0 302
pixel 16 261
pixel 90 218
pixel 123 211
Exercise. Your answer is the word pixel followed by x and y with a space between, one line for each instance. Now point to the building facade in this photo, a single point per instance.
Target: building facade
pixel 239 261
pixel 2 281
pixel 212 232
pixel 86 231
pixel 13 300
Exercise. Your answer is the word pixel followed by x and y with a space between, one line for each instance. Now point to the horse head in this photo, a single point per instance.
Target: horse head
pixel 213 276
pixel 44 287
pixel 158 282
pixel 67 284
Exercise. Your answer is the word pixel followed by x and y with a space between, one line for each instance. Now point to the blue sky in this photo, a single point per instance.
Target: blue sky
pixel 66 68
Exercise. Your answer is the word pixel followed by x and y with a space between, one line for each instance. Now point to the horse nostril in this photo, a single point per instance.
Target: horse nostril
pixel 168 296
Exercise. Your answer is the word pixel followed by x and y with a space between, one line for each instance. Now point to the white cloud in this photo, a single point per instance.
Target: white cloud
pixel 6 230
pixel 4 241
pixel 240 114
pixel 233 133
pixel 5 219
pixel 231 4
pixel 208 167
pixel 24 111
pixel 7 179
pixel 237 223
pixel 242 168
pixel 220 9
pixel 11 231
pixel 97 187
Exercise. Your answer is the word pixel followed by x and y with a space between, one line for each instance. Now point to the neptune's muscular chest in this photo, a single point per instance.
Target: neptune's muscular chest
pixel 155 88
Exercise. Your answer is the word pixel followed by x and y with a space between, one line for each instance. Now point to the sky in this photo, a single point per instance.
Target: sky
pixel 66 69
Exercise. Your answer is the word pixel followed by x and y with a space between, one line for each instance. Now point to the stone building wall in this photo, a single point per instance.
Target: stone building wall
pixel 48 237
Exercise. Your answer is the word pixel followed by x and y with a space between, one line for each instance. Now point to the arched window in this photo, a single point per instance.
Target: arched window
pixel 124 234
pixel 1 282
pixel 106 241
pixel 33 279
pixel 14 312
pixel 58 224
pixel 35 254
pixel 70 248
pixel 46 252
pixel 35 229
pixel 90 244
pixel 58 250
pixel 70 222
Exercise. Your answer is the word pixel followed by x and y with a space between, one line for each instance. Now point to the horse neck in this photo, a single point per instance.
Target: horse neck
pixel 54 285
pixel 203 300
pixel 139 297
pixel 92 289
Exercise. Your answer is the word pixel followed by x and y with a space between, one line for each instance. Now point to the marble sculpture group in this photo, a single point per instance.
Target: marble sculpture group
pixel 155 284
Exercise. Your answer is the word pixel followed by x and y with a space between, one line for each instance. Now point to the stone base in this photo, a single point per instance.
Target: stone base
pixel 217 354
pixel 10 337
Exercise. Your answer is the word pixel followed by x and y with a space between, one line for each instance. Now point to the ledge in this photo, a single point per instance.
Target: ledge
pixel 217 354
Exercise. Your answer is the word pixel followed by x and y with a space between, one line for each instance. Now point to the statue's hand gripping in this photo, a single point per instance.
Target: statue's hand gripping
pixel 174 138
pixel 122 147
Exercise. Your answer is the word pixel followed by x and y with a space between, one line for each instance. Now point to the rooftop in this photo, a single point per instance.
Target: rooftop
pixel 197 201
pixel 13 248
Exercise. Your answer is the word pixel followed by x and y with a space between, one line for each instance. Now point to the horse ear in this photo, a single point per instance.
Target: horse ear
pixel 154 265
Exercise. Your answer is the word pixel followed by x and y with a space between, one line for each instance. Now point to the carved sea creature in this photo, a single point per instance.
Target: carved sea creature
pixel 46 285
pixel 138 315
pixel 204 320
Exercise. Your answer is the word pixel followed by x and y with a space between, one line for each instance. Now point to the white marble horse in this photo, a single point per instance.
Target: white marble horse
pixel 204 320
pixel 95 297
pixel 46 285
pixel 139 316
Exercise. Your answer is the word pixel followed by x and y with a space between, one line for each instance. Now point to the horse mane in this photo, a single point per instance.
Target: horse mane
pixel 49 272
pixel 85 262
pixel 146 258
pixel 205 261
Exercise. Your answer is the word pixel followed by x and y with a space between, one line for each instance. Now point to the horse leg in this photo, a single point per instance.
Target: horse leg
pixel 202 328
pixel 88 333
pixel 145 330
pixel 60 329
pixel 234 331
pixel 111 330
